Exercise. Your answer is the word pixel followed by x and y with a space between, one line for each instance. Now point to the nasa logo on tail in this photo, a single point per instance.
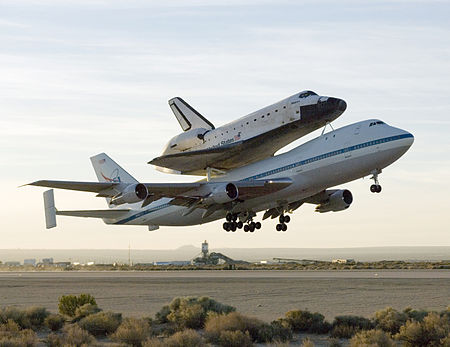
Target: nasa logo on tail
pixel 113 177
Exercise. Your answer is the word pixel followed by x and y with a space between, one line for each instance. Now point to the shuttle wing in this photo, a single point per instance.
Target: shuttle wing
pixel 236 154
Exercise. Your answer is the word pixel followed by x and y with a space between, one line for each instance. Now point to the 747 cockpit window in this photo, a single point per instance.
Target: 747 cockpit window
pixel 306 94
pixel 375 123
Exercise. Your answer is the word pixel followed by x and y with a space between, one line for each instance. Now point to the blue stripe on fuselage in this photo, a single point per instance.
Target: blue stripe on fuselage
pixel 284 168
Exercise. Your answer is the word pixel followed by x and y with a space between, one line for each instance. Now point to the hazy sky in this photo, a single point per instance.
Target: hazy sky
pixel 82 77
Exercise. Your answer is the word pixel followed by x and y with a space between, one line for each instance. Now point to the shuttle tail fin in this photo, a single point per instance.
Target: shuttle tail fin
pixel 187 116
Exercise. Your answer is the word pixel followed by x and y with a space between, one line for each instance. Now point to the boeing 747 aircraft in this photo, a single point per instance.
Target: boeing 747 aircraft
pixel 276 185
pixel 202 148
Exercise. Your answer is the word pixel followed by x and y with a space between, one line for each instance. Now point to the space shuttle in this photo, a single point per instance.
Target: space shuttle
pixel 202 149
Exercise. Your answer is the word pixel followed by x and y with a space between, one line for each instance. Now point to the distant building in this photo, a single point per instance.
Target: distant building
pixel 12 263
pixel 47 261
pixel 343 261
pixel 30 261
pixel 62 263
pixel 174 262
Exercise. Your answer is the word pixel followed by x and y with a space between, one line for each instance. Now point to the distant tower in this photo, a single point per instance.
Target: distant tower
pixel 205 249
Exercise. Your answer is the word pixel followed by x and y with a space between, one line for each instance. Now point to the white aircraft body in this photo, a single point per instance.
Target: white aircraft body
pixel 276 185
pixel 257 136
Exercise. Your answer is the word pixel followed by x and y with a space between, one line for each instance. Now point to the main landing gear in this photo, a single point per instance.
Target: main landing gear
pixel 283 221
pixel 375 188
pixel 232 224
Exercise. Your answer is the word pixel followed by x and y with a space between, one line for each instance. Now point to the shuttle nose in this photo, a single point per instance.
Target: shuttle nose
pixel 337 104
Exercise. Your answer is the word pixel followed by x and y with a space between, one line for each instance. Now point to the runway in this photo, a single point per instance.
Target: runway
pixel 264 294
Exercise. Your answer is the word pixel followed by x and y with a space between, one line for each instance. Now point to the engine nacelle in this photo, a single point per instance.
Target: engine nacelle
pixel 187 140
pixel 131 194
pixel 222 193
pixel 338 201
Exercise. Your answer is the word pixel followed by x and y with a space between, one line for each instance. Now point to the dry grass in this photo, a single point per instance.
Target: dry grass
pixel 11 335
pixel 102 323
pixel 132 331
pixel 371 338
pixel 185 338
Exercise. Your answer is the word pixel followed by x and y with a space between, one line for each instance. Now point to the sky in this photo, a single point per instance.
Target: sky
pixel 82 77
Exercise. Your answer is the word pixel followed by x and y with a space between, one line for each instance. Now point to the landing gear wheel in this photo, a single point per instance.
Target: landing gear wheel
pixel 229 217
pixel 279 227
pixel 252 227
pixel 233 226
pixel 375 188
pixel 226 226
pixel 234 217
pixel 283 227
pixel 282 219
pixel 240 225
pixel 258 225
pixel 246 228
pixel 287 219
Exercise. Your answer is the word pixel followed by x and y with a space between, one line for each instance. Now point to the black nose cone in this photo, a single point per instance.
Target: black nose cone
pixel 342 105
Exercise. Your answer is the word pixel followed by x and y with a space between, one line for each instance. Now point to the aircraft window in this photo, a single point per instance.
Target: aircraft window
pixel 297 111
pixel 227 131
pixel 262 116
pixel 254 120
pixel 306 94
pixel 284 106
pixel 268 114
pixel 276 110
pixel 380 122
pixel 242 125
pixel 247 123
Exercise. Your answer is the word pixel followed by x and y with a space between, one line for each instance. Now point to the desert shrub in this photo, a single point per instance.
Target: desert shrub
pixel 371 338
pixel 72 335
pixel 36 316
pixel 165 329
pixel 235 339
pixel 281 331
pixel 417 315
pixel 11 335
pixel 54 322
pixel 389 320
pixel 15 315
pixel 234 321
pixel 185 338
pixel 154 342
pixel 68 304
pixel 102 323
pixel 132 331
pixel 161 315
pixel 346 326
pixel 430 332
pixel 30 318
pixel 188 316
pixel 334 342
pixel 85 310
pixel 306 321
pixel 190 312
pixel 307 343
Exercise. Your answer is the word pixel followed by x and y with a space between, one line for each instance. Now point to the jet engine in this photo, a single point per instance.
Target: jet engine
pixel 187 140
pixel 131 194
pixel 337 201
pixel 222 193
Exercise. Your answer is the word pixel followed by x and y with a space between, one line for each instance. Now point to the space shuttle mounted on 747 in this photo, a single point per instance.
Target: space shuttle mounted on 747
pixel 246 140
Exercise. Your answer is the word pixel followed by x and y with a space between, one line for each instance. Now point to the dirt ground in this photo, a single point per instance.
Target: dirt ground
pixel 263 294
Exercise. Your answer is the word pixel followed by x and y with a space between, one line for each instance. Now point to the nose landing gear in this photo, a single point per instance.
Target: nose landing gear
pixel 375 188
